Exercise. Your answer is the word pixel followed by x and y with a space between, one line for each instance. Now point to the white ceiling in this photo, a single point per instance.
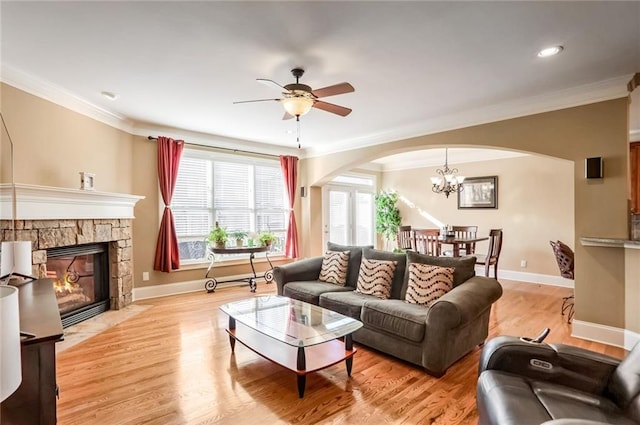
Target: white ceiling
pixel 417 67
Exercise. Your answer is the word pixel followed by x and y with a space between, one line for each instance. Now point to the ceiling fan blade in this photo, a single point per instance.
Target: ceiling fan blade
pixel 268 82
pixel 287 116
pixel 333 90
pixel 258 100
pixel 330 107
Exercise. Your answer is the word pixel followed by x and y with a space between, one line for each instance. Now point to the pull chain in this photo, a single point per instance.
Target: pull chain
pixel 298 130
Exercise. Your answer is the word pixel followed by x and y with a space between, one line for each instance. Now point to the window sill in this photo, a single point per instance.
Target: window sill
pixel 231 262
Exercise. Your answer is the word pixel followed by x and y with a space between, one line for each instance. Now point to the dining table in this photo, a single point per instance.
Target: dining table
pixel 458 242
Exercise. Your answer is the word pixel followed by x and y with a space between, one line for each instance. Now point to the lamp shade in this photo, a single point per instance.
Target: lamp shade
pixel 16 258
pixel 10 366
pixel 298 105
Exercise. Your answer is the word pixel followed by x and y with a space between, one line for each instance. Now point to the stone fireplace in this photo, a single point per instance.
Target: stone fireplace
pixel 57 217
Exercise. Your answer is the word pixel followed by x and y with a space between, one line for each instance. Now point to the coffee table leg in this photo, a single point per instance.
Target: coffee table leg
pixel 301 365
pixel 348 345
pixel 232 340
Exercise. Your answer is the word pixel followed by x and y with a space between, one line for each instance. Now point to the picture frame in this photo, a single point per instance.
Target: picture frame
pixel 479 193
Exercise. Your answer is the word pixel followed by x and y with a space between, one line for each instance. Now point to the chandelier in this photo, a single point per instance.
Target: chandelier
pixel 448 182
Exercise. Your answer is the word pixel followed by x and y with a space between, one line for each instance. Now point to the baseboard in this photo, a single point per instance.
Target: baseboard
pixel 543 279
pixel 630 339
pixel 156 291
pixel 604 334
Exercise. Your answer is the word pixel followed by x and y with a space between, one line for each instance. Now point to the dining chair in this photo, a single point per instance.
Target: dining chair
pixel 493 253
pixel 565 259
pixel 405 238
pixel 466 232
pixel 426 241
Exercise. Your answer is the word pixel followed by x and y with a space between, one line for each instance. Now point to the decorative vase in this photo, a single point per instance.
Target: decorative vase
pixel 239 243
pixel 220 245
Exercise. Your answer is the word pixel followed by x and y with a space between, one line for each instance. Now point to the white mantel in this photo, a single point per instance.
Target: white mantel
pixel 35 202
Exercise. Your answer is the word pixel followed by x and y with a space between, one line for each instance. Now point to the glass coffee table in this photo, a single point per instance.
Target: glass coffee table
pixel 299 336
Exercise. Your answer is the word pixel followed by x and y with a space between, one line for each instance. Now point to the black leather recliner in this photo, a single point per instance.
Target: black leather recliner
pixel 525 383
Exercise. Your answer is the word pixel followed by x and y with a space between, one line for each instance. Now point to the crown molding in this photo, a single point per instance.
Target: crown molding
pixel 576 96
pixel 58 95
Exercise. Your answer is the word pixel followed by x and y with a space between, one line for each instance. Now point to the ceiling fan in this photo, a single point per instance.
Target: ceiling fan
pixel 298 99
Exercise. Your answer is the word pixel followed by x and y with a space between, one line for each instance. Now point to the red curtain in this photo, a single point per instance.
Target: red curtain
pixel 289 166
pixel 169 153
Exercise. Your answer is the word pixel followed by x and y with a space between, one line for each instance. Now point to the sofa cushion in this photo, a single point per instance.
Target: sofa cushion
pixel 398 275
pixel 396 317
pixel 310 291
pixel 464 267
pixel 428 283
pixel 355 255
pixel 347 303
pixel 564 402
pixel 334 267
pixel 375 277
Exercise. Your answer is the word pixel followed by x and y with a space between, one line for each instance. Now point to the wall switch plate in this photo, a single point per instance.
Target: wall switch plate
pixel 523 263
pixel 145 275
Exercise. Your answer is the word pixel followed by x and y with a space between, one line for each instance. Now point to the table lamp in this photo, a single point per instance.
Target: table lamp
pixel 10 364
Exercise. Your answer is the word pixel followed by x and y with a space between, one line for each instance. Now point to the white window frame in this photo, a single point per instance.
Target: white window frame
pixel 241 159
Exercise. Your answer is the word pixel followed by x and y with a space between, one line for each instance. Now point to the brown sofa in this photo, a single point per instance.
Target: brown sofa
pixel 432 337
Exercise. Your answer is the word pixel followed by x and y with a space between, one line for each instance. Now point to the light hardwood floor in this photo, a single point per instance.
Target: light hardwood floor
pixel 172 364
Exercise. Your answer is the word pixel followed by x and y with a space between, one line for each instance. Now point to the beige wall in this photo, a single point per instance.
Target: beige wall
pixel 53 144
pixel 535 205
pixel 601 207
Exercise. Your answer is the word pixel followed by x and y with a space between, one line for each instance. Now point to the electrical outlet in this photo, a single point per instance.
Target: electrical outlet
pixel 145 275
pixel 523 263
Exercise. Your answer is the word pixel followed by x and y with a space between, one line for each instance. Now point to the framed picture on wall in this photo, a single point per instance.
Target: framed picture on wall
pixel 479 192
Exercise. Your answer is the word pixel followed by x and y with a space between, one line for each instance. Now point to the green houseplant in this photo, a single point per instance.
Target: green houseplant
pixel 266 238
pixel 239 236
pixel 387 215
pixel 218 236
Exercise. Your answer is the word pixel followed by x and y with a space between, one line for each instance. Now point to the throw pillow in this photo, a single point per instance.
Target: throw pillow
pixel 375 277
pixel 464 266
pixel 428 283
pixel 398 275
pixel 334 267
pixel 355 254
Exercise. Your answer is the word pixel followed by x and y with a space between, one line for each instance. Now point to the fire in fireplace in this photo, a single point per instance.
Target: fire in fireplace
pixel 81 280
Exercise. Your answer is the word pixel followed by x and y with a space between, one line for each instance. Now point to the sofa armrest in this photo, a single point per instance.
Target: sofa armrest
pixel 465 302
pixel 306 269
pixel 557 363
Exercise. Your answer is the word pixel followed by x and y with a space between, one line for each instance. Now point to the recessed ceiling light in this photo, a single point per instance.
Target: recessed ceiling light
pixel 109 95
pixel 289 131
pixel 549 51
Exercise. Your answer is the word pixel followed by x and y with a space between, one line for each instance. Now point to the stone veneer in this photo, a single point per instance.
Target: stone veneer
pixel 45 234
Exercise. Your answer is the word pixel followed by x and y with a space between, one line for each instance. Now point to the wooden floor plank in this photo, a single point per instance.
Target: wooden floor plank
pixel 172 364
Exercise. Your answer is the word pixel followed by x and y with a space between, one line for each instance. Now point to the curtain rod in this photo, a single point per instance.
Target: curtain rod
pixel 224 149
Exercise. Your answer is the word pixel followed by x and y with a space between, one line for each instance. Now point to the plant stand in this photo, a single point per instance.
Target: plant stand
pixel 211 284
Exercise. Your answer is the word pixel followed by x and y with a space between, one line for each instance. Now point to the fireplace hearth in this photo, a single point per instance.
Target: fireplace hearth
pixel 80 277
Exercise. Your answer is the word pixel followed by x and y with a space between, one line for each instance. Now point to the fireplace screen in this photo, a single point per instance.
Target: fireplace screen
pixel 80 279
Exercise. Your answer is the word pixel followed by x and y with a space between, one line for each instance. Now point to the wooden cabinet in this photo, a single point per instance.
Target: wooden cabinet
pixel 34 402
pixel 634 158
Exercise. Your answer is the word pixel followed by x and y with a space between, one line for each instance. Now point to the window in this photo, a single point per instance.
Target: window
pixel 240 193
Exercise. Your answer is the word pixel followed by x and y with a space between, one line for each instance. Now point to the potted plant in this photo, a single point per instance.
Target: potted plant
pixel 239 236
pixel 218 236
pixel 266 238
pixel 387 214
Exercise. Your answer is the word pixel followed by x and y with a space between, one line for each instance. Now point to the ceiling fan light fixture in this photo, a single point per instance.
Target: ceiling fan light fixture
pixel 550 51
pixel 298 105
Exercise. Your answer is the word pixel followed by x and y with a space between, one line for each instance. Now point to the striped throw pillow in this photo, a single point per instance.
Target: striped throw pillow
pixel 428 283
pixel 375 277
pixel 334 267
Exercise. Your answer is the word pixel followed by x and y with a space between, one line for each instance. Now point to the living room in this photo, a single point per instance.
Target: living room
pixel 57 134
